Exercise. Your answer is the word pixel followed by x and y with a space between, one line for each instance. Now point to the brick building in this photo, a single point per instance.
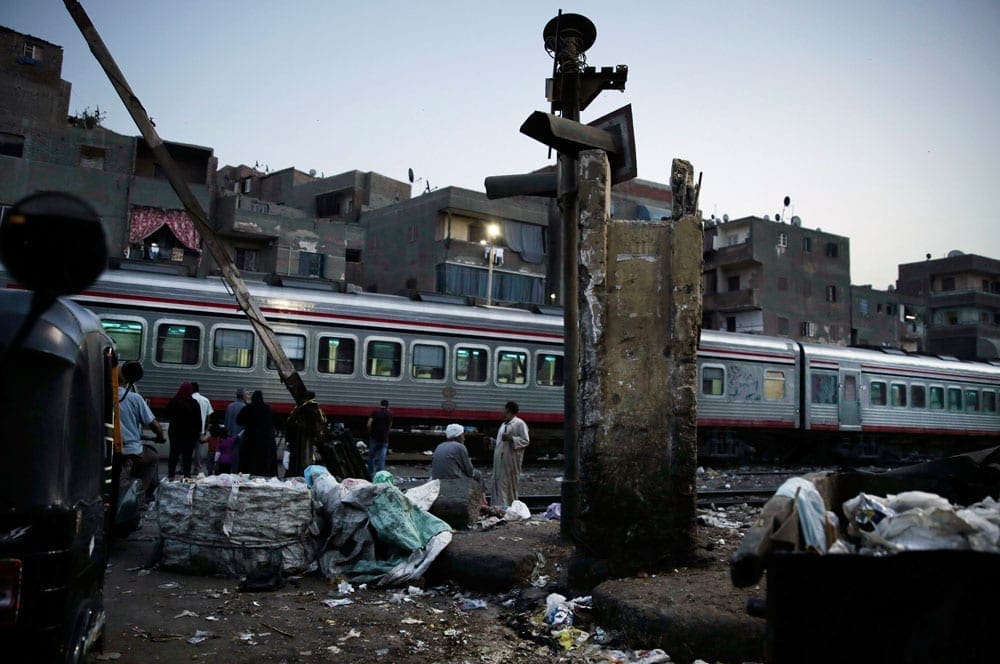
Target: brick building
pixel 438 243
pixel 774 278
pixel 958 299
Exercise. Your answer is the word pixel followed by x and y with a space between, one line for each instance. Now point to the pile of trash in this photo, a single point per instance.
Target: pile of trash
pixel 241 526
pixel 373 532
pixel 918 521
pixel 235 525
pixel 797 519
pixel 566 624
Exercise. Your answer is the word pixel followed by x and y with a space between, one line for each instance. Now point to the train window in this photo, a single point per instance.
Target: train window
pixel 428 361
pixel 713 381
pixel 954 398
pixel 897 395
pixel 972 401
pixel 177 343
pixel 549 369
pixel 127 335
pixel 512 367
pixel 294 346
pixel 936 401
pixel 774 385
pixel 471 364
pixel 989 401
pixel 384 359
pixel 918 396
pixel 824 388
pixel 877 393
pixel 336 355
pixel 233 348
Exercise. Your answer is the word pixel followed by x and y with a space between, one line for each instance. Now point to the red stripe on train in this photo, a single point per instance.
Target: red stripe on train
pixel 285 407
pixel 746 424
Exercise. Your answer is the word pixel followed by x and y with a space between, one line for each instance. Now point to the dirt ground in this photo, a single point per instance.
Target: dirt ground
pixel 165 616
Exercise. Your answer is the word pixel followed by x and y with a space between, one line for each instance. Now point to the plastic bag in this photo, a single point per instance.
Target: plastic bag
pixel 517 510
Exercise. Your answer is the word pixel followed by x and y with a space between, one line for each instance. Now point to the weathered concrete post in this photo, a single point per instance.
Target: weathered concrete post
pixel 640 316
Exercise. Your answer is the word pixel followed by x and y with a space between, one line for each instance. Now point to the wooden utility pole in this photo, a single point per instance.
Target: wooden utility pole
pixel 230 273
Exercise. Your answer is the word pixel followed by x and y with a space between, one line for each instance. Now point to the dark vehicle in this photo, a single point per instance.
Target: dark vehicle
pixel 57 410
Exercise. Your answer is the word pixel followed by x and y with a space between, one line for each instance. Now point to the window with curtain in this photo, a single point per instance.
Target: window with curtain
pixel 428 361
pixel 294 346
pixel 384 359
pixel 177 343
pixel 336 355
pixel 471 364
pixel 127 335
pixel 233 348
pixel 512 367
pixel 471 282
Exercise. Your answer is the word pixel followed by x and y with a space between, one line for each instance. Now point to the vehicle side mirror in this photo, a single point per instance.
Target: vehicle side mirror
pixel 53 243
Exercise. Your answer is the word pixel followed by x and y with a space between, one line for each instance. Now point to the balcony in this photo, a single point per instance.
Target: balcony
pixel 962 329
pixel 735 256
pixel 741 300
pixel 965 298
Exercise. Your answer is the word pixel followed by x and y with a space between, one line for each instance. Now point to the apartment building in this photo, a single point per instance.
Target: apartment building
pixel 775 278
pixel 958 298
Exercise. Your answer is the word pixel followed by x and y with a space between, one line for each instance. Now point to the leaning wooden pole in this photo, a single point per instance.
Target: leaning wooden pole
pixel 216 248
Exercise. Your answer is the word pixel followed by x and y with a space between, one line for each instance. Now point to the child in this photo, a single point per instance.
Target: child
pixel 225 454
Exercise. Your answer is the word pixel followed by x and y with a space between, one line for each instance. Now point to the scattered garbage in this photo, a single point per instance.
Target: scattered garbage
pixel 333 603
pixel 554 511
pixel 517 510
pixel 469 604
pixel 200 636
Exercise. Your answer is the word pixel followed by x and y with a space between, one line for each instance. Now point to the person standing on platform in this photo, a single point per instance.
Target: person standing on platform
pixel 258 453
pixel 379 424
pixel 202 463
pixel 234 429
pixel 184 414
pixel 508 454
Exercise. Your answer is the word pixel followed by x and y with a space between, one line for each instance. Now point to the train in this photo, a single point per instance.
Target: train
pixel 438 362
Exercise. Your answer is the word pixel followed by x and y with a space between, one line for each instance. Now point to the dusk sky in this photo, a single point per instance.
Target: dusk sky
pixel 878 119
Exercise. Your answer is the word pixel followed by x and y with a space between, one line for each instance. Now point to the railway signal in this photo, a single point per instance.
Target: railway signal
pixel 572 87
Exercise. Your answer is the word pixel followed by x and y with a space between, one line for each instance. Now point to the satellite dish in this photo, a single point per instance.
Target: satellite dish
pixel 955 252
pixel 788 201
pixel 725 217
pixel 410 172
pixel 796 221
pixel 777 217
pixel 312 172
pixel 767 217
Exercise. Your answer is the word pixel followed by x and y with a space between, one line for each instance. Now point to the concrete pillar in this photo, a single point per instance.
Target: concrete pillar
pixel 640 316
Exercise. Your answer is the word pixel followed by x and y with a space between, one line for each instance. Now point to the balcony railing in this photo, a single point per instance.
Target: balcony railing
pixel 747 298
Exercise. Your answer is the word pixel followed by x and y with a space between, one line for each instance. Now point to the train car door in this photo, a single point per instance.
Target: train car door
pixel 850 400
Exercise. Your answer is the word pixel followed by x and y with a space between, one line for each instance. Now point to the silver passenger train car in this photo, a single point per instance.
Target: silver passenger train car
pixel 438 363
pixel 435 363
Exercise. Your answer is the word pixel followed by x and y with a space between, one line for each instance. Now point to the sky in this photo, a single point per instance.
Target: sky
pixel 878 119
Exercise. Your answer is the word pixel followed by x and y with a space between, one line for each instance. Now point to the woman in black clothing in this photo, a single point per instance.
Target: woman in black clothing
pixel 258 451
pixel 184 414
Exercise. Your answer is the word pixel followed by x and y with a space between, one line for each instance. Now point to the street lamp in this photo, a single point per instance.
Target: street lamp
pixel 493 231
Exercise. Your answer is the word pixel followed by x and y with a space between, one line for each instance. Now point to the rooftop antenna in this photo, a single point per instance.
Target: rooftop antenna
pixel 427 184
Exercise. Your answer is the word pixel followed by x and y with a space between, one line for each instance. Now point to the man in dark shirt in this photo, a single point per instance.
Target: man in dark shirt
pixel 379 424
